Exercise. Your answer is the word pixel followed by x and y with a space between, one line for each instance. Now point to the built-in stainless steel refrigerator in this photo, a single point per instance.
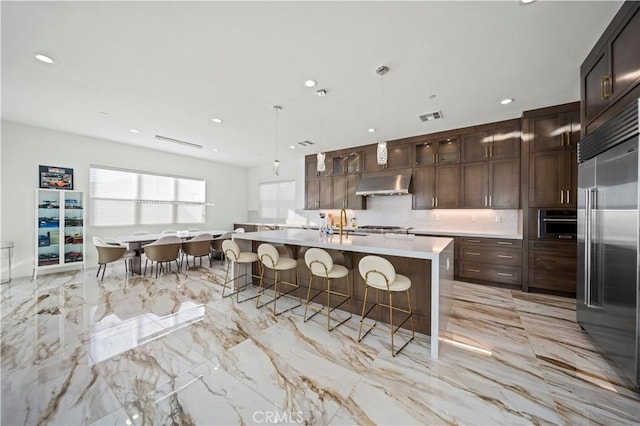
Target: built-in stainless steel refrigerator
pixel 608 292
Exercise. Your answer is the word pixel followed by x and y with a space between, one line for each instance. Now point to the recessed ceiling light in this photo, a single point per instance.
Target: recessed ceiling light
pixel 527 1
pixel 372 130
pixel 44 58
pixel 292 147
pixel 217 120
pixel 507 101
pixel 310 83
pixel 134 130
pixel 215 150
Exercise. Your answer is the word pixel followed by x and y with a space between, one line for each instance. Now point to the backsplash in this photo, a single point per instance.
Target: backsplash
pixel 396 210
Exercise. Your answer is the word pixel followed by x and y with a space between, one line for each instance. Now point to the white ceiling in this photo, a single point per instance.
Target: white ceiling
pixel 168 67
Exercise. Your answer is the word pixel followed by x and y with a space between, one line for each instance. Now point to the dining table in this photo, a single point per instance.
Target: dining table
pixel 135 243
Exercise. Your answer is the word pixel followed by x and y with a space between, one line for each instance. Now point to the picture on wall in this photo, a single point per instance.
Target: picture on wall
pixel 56 177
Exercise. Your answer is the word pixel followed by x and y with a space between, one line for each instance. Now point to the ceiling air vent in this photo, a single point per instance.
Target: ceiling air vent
pixel 189 144
pixel 430 116
pixel 306 143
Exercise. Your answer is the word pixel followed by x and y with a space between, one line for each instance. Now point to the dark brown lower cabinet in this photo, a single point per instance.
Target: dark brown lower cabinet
pixel 553 266
pixel 490 261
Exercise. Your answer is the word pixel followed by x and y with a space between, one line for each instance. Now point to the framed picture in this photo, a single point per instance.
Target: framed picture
pixel 56 177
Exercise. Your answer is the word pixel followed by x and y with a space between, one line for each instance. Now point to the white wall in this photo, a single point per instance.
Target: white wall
pixel 24 148
pixel 290 170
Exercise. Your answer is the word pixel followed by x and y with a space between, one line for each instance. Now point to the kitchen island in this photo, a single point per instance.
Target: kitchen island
pixel 428 261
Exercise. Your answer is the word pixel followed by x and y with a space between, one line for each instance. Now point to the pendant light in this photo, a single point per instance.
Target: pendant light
pixel 381 153
pixel 276 162
pixel 320 156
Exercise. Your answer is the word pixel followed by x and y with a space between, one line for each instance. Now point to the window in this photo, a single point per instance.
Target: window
pixel 125 198
pixel 277 198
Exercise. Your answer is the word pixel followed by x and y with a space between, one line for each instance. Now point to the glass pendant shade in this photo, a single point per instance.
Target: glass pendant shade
pixel 381 154
pixel 320 164
pixel 276 168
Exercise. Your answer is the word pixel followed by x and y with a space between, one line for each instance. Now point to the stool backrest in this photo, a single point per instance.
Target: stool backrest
pixel 377 270
pixel 231 249
pixel 318 261
pixel 268 255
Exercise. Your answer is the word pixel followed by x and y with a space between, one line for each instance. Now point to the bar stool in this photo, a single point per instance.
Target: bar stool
pixel 271 259
pixel 321 265
pixel 380 274
pixel 232 253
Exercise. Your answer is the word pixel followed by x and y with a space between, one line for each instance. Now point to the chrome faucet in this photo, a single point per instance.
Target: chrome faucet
pixel 343 219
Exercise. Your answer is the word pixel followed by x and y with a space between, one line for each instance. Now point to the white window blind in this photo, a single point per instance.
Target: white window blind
pixel 277 198
pixel 125 197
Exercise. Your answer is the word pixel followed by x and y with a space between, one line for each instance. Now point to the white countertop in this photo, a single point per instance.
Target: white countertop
pixel 419 231
pixel 404 246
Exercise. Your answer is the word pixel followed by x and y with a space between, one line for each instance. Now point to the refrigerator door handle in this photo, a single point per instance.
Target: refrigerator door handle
pixel 590 201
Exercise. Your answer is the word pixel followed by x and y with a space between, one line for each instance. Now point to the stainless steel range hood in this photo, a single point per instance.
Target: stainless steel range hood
pixel 384 185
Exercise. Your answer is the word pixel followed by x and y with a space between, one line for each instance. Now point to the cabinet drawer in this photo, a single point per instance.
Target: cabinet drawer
pixel 491 242
pixel 492 256
pixel 495 273
pixel 552 262
pixel 552 280
pixel 565 248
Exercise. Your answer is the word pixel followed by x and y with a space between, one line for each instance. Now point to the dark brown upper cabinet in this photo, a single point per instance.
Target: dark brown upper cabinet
pixel 436 187
pixel 610 75
pixel 491 144
pixel 554 131
pixel 492 184
pixel 344 192
pixel 318 193
pixel 346 163
pixel 440 151
pixel 398 157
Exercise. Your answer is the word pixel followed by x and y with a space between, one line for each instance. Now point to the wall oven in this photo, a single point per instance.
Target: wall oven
pixel 557 224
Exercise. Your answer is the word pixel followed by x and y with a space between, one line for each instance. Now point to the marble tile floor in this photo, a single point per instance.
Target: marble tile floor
pixel 136 350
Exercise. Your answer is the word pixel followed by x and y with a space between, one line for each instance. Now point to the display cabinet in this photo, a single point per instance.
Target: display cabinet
pixel 59 228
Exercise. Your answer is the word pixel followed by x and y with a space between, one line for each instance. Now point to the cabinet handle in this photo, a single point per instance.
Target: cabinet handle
pixel 473 270
pixel 317 203
pixel 473 241
pixel 485 201
pixel 434 158
pixel 606 87
pixel 504 256
pixel 433 201
pixel 505 243
pixel 490 201
pixel 490 151
pixel 602 96
pixel 568 197
pixel 473 253
pixel 502 274
pixel 436 201
pixel 437 158
pixel 561 197
pixel 562 136
pixel 568 138
pixel 486 152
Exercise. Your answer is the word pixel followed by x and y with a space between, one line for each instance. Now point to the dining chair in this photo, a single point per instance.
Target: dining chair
pixel 198 247
pixel 163 251
pixel 110 252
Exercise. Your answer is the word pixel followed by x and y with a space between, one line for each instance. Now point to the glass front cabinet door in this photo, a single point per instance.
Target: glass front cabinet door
pixel 59 228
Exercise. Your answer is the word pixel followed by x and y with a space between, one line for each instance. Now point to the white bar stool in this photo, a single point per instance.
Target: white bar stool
pixel 380 274
pixel 321 265
pixel 232 254
pixel 271 259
